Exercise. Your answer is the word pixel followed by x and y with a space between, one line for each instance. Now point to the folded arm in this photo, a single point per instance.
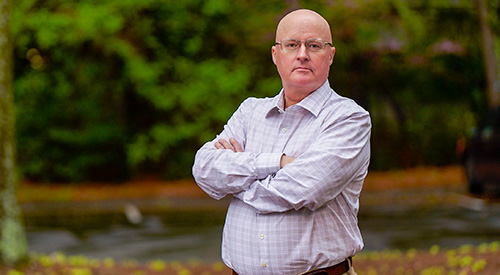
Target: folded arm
pixel 274 182
pixel 222 167
pixel 234 146
pixel 338 157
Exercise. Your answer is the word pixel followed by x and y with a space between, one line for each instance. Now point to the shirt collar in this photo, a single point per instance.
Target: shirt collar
pixel 313 102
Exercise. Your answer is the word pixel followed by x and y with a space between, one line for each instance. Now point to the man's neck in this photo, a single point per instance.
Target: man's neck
pixel 295 94
pixel 290 99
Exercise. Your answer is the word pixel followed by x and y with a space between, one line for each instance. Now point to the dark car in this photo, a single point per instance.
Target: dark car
pixel 482 155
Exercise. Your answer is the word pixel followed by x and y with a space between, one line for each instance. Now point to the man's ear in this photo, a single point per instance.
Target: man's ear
pixel 273 54
pixel 332 54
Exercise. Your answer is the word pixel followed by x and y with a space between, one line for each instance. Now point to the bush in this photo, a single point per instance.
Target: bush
pixel 121 88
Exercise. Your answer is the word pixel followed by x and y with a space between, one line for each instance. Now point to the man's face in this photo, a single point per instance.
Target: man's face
pixel 303 71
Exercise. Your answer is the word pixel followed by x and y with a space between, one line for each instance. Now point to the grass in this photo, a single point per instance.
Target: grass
pixel 466 260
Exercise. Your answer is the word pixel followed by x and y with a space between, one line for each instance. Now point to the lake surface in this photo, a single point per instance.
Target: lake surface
pixel 195 234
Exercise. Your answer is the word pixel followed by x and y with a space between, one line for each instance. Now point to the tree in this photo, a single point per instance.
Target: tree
pixel 12 240
pixel 489 56
pixel 108 90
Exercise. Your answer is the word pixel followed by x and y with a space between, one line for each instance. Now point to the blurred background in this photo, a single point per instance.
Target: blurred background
pixel 119 91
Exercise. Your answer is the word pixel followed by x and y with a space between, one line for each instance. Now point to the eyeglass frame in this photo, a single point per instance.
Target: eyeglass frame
pixel 303 41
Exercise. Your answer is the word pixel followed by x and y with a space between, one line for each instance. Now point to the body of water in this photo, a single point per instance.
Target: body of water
pixel 195 234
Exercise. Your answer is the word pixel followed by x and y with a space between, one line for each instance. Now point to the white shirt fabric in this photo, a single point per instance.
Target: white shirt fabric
pixel 300 217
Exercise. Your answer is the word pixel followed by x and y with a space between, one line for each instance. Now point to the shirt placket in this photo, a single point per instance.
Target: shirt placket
pixel 263 234
pixel 262 240
pixel 283 131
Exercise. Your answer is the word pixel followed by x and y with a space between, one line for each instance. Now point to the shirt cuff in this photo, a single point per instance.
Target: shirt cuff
pixel 267 164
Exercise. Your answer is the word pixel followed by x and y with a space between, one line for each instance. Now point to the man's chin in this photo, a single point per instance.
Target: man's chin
pixel 305 83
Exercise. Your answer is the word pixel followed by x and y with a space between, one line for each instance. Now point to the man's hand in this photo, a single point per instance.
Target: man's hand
pixel 286 160
pixel 233 145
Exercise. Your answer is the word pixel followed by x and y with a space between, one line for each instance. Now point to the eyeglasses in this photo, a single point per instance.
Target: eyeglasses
pixel 312 44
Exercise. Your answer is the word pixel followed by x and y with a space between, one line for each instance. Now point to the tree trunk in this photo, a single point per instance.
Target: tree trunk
pixel 13 246
pixel 489 57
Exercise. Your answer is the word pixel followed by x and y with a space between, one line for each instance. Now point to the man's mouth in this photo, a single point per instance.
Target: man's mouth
pixel 302 69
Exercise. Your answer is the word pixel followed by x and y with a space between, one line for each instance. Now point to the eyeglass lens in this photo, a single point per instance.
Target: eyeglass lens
pixel 314 45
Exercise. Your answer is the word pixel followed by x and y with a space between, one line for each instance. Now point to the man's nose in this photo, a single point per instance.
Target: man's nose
pixel 302 52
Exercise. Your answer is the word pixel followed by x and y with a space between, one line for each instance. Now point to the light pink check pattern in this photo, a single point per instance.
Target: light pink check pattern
pixel 301 217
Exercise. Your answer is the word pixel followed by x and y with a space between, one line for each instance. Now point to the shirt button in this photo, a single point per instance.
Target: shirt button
pixel 264 264
pixel 283 130
pixel 261 236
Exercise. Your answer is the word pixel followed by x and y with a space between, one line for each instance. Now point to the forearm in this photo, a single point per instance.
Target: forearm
pixel 327 168
pixel 221 172
pixel 302 185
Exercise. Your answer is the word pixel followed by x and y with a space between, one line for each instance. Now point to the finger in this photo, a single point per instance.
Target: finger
pixel 236 145
pixel 218 145
pixel 226 144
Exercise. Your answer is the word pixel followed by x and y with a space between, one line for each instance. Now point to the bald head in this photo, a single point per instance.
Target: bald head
pixel 302 70
pixel 300 21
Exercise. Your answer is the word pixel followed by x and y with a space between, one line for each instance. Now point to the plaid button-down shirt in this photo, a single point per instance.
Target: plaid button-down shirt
pixel 300 217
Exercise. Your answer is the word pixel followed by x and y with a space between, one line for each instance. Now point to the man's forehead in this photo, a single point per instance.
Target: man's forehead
pixel 303 21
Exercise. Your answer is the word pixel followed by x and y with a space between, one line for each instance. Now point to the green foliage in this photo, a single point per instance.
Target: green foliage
pixel 113 89
pixel 417 67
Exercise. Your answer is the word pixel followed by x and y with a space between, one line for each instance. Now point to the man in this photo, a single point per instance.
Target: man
pixel 294 164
